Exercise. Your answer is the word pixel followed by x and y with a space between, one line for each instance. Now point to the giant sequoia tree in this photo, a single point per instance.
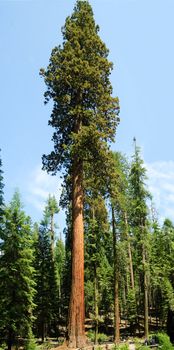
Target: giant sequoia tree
pixel 84 116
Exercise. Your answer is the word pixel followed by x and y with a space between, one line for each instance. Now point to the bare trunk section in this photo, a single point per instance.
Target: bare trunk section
pixel 52 235
pixel 116 285
pixel 10 339
pixel 146 314
pixel 96 309
pixel 76 329
pixel 96 304
pixel 129 252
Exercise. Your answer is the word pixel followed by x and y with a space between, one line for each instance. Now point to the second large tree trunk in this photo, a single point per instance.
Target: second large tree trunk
pixel 76 328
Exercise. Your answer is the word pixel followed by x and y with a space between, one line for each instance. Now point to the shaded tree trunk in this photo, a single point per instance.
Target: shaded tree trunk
pixel 116 285
pixel 43 331
pixel 146 314
pixel 52 235
pixel 10 339
pixel 129 252
pixel 76 329
pixel 96 304
pixel 145 278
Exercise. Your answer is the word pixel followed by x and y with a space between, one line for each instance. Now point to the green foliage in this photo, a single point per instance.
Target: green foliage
pixel 51 207
pixel 120 347
pixel 131 307
pixel 46 298
pixel 45 346
pixel 139 193
pixel 16 273
pixel 162 262
pixel 164 341
pixel 142 347
pixel 84 112
pixel 98 254
pixel 31 343
pixel 101 337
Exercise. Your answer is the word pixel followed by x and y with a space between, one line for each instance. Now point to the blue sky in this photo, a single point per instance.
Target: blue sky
pixel 139 35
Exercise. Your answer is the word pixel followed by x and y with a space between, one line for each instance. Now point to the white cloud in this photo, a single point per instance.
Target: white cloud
pixel 161 185
pixel 39 186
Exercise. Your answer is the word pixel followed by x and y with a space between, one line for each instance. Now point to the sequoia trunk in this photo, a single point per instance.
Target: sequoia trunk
pixel 76 328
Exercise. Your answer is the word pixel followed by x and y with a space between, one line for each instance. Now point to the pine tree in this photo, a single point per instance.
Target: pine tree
pixel 96 260
pixel 123 272
pixel 85 118
pixel 50 210
pixel 46 297
pixel 16 274
pixel 139 222
pixel 60 267
pixel 162 277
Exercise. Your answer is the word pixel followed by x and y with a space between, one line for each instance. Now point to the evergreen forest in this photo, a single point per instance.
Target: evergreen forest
pixel 107 281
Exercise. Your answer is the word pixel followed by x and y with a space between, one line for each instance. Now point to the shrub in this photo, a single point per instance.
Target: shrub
pixel 164 341
pixel 120 347
pixel 101 337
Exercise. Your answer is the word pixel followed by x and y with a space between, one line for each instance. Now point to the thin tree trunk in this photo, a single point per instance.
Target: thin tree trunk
pixel 59 291
pixel 76 329
pixel 52 235
pixel 43 331
pixel 116 285
pixel 10 339
pixel 96 311
pixel 146 314
pixel 129 252
pixel 145 281
pixel 96 304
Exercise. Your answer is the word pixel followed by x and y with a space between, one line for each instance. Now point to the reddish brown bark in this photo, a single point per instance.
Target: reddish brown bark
pixel 76 329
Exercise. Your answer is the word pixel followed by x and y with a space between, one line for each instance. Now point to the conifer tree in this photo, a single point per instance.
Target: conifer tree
pixel 162 277
pixel 84 116
pixel 50 210
pixel 16 274
pixel 60 267
pixel 139 222
pixel 96 260
pixel 46 297
pixel 120 204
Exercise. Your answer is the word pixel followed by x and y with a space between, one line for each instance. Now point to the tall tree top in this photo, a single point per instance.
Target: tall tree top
pixel 85 114
pixel 138 188
pixel 51 206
